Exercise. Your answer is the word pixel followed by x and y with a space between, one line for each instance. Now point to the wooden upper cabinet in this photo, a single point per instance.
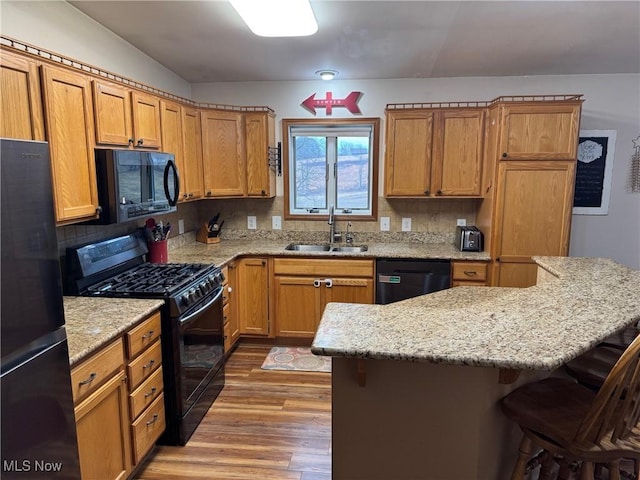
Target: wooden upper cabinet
pixel 171 125
pixel 259 134
pixel 146 120
pixel 112 114
pixel 433 153
pixel 223 154
pixel 192 176
pixel 69 129
pixel 539 132
pixel 457 152
pixel 408 153
pixel 20 99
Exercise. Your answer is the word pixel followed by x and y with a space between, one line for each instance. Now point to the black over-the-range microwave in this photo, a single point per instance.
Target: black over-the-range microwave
pixel 133 184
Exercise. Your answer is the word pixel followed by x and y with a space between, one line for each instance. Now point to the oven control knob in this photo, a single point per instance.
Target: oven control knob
pixel 185 299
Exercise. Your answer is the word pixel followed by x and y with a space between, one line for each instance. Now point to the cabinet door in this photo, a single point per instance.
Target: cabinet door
pixel 253 293
pixel 349 290
pixel 171 125
pixel 259 134
pixel 102 424
pixel 192 148
pixel 146 120
pixel 21 114
pixel 112 114
pixel 533 213
pixel 223 157
pixel 457 152
pixel 298 306
pixel 69 127
pixel 539 132
pixel 408 154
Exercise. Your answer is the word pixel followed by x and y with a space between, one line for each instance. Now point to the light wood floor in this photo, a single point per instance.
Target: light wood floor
pixel 265 425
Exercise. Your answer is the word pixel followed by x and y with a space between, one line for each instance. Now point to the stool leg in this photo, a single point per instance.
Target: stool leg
pixel 546 466
pixel 586 472
pixel 614 470
pixel 524 452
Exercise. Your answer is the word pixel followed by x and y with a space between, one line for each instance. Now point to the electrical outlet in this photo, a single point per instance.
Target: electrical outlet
pixel 462 222
pixel 385 224
pixel 251 222
pixel 406 224
pixel 276 222
pixel 180 226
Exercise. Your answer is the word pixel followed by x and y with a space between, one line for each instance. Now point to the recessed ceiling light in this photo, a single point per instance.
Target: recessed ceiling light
pixel 327 74
pixel 277 18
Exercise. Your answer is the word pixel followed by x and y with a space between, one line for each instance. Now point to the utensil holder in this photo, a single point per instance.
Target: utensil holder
pixel 158 252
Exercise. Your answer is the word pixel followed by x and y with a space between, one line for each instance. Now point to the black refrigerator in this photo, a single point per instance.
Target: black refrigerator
pixel 38 424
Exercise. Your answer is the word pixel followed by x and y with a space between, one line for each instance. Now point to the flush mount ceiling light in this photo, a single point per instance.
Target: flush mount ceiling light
pixel 327 74
pixel 277 18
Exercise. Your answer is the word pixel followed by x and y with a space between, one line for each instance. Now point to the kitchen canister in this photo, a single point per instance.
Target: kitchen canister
pixel 158 251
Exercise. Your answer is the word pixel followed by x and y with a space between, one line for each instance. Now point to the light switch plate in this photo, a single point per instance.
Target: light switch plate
pixel 385 224
pixel 276 222
pixel 180 226
pixel 462 222
pixel 406 224
pixel 251 222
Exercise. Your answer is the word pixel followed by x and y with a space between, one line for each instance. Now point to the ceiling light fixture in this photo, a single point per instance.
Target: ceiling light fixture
pixel 277 18
pixel 327 74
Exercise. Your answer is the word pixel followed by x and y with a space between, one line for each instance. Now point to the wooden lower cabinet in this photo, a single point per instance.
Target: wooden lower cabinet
pixel 303 287
pixel 468 273
pixel 230 307
pixel 102 425
pixel 253 293
pixel 119 415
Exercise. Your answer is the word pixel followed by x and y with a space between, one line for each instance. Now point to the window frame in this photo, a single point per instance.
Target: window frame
pixel 374 122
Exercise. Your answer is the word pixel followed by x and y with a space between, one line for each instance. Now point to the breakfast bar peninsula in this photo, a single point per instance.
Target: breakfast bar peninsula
pixel 417 383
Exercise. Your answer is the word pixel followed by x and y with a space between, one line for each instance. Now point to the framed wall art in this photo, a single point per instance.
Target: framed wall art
pixel 596 149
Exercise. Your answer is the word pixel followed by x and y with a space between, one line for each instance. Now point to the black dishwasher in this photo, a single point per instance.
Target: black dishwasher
pixel 399 279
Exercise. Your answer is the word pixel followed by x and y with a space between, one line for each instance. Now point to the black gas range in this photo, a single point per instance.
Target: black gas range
pixel 192 332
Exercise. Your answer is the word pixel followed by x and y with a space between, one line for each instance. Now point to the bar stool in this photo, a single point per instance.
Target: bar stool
pixel 572 421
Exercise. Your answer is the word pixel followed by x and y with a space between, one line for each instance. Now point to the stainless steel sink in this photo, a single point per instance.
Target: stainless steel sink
pixel 303 247
pixel 350 249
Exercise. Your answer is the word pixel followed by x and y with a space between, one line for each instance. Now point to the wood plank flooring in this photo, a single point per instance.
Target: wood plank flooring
pixel 266 424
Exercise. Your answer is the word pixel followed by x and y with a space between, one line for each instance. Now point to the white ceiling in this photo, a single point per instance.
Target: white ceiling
pixel 206 41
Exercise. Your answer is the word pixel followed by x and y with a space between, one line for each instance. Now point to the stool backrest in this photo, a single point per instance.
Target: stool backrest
pixel 616 408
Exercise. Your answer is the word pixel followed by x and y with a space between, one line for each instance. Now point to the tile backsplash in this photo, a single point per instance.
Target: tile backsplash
pixel 432 220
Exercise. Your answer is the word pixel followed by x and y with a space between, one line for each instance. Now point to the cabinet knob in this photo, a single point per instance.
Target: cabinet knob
pixel 184 195
pixel 498 259
pixel 264 193
pixel 209 193
pixel 131 141
pixel 140 142
pixel 190 195
pixel 98 210
pixel 439 192
pixel 505 155
pixel 426 192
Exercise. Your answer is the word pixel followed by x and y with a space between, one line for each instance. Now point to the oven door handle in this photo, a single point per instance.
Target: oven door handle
pixel 203 308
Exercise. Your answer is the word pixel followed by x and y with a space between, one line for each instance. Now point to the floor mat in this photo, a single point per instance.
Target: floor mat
pixel 297 359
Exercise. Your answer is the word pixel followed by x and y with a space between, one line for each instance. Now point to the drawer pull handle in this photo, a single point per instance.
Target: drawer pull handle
pixel 91 378
pixel 151 393
pixel 470 273
pixel 149 365
pixel 153 420
pixel 148 335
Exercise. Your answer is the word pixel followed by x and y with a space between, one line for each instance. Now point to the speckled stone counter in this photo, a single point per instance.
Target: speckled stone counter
pixel 536 328
pixel 93 322
pixel 227 250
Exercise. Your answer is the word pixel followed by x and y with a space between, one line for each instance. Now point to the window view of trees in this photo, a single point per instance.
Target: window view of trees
pixel 313 171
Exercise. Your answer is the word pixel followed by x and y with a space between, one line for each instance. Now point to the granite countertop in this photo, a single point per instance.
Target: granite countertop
pixel 225 251
pixel 93 322
pixel 536 328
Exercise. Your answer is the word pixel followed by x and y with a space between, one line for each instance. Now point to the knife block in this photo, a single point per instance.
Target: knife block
pixel 203 236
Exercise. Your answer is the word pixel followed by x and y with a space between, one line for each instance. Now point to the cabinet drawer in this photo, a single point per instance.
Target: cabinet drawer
pixel 142 367
pixel 473 271
pixel 313 267
pixel 140 337
pixel 146 393
pixel 90 374
pixel 146 429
